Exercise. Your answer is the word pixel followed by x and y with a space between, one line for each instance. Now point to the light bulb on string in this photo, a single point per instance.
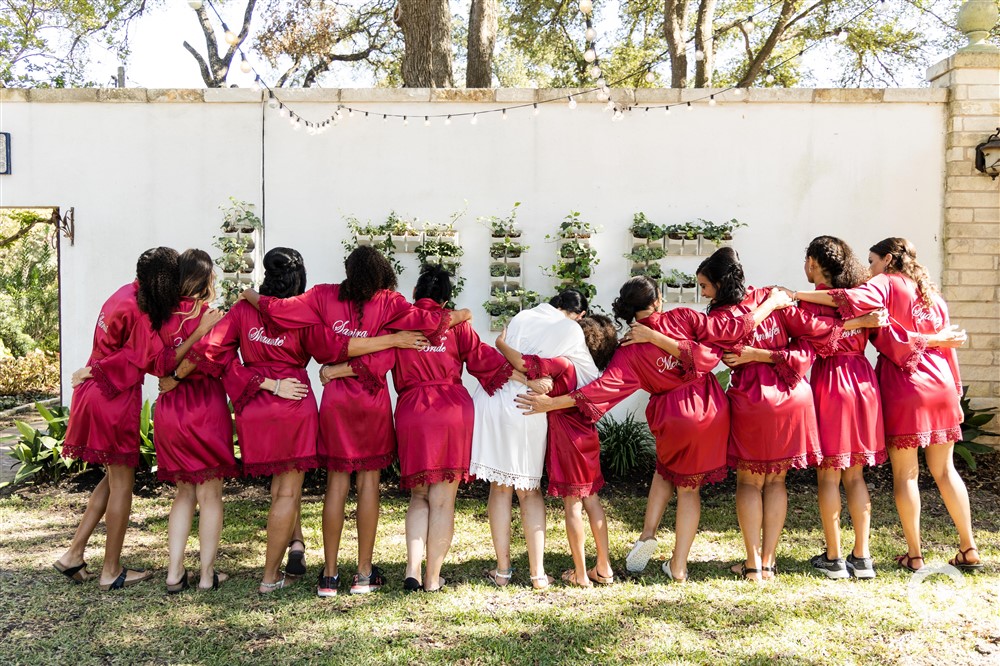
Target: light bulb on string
pixel 842 35
pixel 711 100
pixel 737 92
pixel 255 86
pixel 195 4
pixel 282 110
pixel 601 95
pixel 595 71
pixel 618 116
pixel 590 55
pixel 536 110
pixel 503 115
pixel 666 110
pixel 385 118
pixel 427 121
pixel 244 64
pixel 689 107
pixel 475 119
pixel 699 55
pixel 590 35
pixel 571 103
pixel 406 121
pixel 650 77
pixel 586 6
pixel 296 125
pixel 601 83
pixel 350 113
pixel 769 78
pixel 272 102
pixel 611 105
pixel 230 36
pixel 748 25
pixel 447 121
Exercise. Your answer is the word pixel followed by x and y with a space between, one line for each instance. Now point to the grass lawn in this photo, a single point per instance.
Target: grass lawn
pixel 714 619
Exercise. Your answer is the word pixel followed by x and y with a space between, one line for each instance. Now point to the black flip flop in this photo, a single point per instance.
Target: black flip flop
pixel 71 572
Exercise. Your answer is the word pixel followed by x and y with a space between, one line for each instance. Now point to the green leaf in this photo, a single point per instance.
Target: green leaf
pixel 46 414
pixel 966 456
pixel 26 430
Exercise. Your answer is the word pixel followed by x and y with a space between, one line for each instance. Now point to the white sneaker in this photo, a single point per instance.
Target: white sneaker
pixel 639 556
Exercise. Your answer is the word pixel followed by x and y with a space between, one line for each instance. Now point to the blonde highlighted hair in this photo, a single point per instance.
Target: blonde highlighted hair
pixel 197 281
pixel 903 260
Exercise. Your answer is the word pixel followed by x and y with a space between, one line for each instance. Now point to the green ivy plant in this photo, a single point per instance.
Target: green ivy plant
pixel 643 228
pixel 576 257
pixel 503 227
pixel 718 233
pixel 237 218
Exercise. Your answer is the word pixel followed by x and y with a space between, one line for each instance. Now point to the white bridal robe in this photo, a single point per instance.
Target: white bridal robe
pixel 508 448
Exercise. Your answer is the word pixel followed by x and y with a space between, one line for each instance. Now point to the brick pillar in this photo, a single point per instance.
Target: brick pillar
pixel 971 277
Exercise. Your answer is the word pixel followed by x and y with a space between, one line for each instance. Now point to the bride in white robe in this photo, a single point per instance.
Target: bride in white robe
pixel 508 448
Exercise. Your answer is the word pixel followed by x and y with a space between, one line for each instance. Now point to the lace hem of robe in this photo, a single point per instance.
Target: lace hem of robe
pixel 199 476
pixel 855 458
pixel 924 439
pixel 502 478
pixel 108 389
pixel 368 464
pixel 692 480
pixel 556 489
pixel 276 467
pixel 98 457
pixel 432 476
pixel 801 461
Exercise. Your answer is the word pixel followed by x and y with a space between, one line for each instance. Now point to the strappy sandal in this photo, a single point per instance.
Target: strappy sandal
pixel 670 574
pixel 744 570
pixel 961 560
pixel 77 574
pixel 906 562
pixel 599 579
pixel 216 582
pixel 495 576
pixel 773 570
pixel 296 565
pixel 123 580
pixel 536 580
pixel 569 577
pixel 268 588
pixel 179 586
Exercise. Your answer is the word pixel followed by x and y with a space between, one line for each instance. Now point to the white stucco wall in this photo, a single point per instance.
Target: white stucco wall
pixel 861 165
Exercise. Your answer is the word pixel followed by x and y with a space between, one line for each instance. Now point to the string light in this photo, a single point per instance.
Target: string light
pixel 842 36
pixel 571 103
pixel 650 77
pixel 590 35
pixel 536 110
pixel 447 121
pixel 427 121
pixel 282 110
pixel 610 105
pixel 666 110
pixel 602 96
pixel 245 64
pixel 748 25
pixel 590 55
pixel 769 78
pixel 350 113
pixel 230 36
pixel 475 119
pixel 595 71
pixel 272 102
pixel 586 6
pixel 503 115
pixel 711 100
pixel 689 107
pixel 255 86
pixel 699 55
pixel 194 4
pixel 618 116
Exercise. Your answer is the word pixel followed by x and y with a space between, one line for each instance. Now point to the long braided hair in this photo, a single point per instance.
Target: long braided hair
pixel 838 261
pixel 904 261
pixel 368 272
pixel 159 288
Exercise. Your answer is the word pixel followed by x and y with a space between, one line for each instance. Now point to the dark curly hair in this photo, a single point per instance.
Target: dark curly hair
pixel 570 300
pixel 159 286
pixel 723 270
pixel 368 272
pixel 601 337
pixel 838 261
pixel 434 283
pixel 284 273
pixel 904 261
pixel 637 294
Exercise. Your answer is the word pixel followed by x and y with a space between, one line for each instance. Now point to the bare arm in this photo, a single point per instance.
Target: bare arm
pixel 397 340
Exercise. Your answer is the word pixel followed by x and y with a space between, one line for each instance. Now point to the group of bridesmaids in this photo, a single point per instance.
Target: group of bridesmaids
pixel 552 375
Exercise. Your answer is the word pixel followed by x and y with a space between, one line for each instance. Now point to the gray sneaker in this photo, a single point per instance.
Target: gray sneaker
pixel 834 569
pixel 861 567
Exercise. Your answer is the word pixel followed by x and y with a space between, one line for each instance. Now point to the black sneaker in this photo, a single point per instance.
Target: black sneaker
pixel 327 585
pixel 835 569
pixel 370 583
pixel 861 567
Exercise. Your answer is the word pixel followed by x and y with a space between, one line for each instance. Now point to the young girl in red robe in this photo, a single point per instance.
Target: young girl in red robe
pixel 920 384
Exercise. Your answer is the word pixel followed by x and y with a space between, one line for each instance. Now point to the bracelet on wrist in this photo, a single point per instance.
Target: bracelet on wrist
pixel 277 386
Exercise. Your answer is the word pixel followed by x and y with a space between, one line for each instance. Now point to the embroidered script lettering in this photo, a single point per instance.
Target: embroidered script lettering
pixel 257 335
pixel 100 322
pixel 341 327
pixel 664 363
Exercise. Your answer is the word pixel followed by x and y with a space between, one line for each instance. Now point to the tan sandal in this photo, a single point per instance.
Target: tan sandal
pixel 569 577
pixel 599 579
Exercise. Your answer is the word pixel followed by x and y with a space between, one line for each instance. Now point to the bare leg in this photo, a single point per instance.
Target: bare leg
pixel 97 504
pixel 688 517
pixel 905 471
pixel 440 529
pixel 209 528
pixel 599 528
pixel 660 492
pixel 498 508
pixel 286 493
pixel 533 521
pixel 338 484
pixel 775 510
pixel 368 504
pixel 573 507
pixel 178 529
pixel 941 462
pixel 417 516
pixel 750 514
pixel 859 504
pixel 120 481
pixel 828 481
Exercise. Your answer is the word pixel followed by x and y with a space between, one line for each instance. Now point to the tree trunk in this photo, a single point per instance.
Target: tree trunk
pixel 675 19
pixel 426 26
pixel 482 39
pixel 760 59
pixel 216 69
pixel 703 42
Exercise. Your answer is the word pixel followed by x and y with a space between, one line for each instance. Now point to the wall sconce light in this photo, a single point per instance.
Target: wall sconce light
pixel 988 155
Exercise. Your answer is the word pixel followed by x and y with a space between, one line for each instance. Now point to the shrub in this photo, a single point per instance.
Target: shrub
pixel 972 423
pixel 40 453
pixel 628 449
pixel 36 372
